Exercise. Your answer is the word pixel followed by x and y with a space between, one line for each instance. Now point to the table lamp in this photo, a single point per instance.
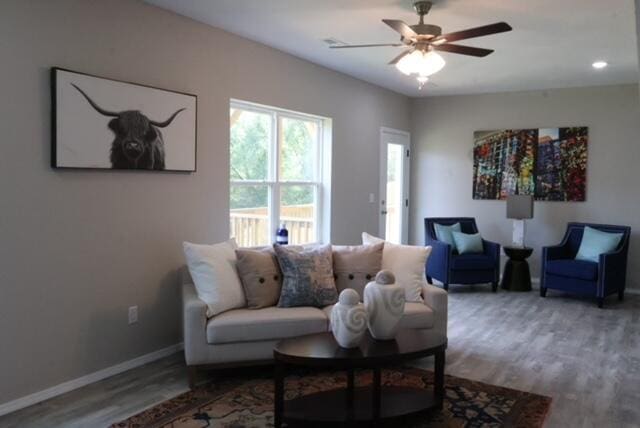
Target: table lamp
pixel 519 208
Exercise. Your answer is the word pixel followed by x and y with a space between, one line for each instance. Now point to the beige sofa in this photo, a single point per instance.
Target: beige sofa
pixel 247 336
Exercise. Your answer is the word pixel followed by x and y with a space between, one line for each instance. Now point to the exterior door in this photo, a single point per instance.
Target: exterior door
pixel 394 185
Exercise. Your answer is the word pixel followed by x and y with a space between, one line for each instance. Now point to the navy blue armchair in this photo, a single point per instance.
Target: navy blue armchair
pixel 560 270
pixel 449 267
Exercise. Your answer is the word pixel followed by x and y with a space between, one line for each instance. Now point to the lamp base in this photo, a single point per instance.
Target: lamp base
pixel 518 234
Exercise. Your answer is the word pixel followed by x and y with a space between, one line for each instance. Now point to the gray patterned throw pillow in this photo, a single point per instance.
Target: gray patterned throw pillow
pixel 307 276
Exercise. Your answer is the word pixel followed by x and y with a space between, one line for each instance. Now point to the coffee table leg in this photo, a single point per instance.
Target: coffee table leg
pixel 376 390
pixel 350 394
pixel 438 379
pixel 279 395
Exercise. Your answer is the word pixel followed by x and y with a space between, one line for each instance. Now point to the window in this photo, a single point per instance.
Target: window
pixel 278 160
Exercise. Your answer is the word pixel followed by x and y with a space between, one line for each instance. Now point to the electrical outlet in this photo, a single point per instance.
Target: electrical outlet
pixel 133 314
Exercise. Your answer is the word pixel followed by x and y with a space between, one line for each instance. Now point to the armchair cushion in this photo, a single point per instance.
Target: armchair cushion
pixel 595 242
pixel 580 269
pixel 444 233
pixel 472 262
pixel 468 243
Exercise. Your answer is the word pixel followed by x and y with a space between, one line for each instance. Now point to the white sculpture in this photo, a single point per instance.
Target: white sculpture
pixel 348 319
pixel 384 302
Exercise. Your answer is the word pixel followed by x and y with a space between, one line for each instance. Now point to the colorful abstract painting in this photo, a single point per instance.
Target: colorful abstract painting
pixel 549 163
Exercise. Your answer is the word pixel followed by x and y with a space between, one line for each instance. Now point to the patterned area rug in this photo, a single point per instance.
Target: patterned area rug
pixel 247 402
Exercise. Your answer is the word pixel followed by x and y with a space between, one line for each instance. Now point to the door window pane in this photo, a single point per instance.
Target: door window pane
pixel 298 142
pixel 250 136
pixel 297 212
pixel 250 215
pixel 393 222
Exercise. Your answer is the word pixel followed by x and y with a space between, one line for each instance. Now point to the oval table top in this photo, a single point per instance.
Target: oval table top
pixel 322 349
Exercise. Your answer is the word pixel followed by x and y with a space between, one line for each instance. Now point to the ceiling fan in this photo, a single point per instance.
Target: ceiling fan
pixel 423 40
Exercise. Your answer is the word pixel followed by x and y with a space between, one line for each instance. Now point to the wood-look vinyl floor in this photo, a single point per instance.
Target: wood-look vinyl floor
pixel 586 358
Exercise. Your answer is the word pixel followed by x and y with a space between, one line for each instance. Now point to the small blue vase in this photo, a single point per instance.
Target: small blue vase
pixel 282 235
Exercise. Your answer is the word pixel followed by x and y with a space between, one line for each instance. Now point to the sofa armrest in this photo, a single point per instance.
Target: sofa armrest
pixel 194 322
pixel 438 300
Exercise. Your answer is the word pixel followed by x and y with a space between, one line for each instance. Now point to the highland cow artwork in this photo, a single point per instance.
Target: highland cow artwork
pixel 106 124
pixel 549 163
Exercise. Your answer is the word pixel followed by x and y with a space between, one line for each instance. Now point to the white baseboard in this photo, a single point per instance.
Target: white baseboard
pixel 64 387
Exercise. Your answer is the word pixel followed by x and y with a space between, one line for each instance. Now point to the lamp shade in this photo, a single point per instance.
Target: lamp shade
pixel 421 63
pixel 520 206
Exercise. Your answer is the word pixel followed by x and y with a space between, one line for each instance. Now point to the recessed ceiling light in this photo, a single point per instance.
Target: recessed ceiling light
pixel 599 64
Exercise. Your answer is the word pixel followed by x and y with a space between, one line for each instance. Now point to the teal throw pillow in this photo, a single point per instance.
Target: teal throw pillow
pixel 596 242
pixel 443 233
pixel 468 243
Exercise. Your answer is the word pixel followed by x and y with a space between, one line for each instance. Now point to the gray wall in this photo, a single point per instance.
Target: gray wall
pixel 79 247
pixel 442 169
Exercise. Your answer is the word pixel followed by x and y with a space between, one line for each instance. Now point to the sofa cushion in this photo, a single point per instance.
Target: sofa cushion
pixel 416 315
pixel 407 262
pixel 213 270
pixel 248 325
pixel 260 276
pixel 570 268
pixel 472 262
pixel 308 276
pixel 355 265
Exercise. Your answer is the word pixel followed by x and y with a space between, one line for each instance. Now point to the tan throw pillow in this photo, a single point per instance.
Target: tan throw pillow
pixel 355 265
pixel 308 276
pixel 260 276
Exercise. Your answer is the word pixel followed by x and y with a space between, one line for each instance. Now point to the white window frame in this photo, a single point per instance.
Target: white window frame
pixel 322 179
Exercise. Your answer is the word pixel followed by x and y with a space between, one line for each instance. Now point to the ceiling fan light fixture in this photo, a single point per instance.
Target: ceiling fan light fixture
pixel 421 63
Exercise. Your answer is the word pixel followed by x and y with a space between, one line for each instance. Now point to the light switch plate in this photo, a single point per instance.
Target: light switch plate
pixel 133 314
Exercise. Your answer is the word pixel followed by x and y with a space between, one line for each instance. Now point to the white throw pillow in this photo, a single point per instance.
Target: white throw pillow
pixel 213 270
pixel 407 262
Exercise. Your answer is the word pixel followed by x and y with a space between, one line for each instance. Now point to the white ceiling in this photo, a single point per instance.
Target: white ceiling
pixel 552 45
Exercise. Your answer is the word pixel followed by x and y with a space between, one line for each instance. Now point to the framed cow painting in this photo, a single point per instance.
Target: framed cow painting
pixel 101 123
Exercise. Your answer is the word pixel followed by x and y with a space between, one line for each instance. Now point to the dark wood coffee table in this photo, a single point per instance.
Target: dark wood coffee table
pixel 362 405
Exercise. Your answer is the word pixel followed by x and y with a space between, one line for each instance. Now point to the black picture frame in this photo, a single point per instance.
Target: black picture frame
pixel 133 123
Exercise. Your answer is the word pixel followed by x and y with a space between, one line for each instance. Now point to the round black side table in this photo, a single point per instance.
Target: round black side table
pixel 516 275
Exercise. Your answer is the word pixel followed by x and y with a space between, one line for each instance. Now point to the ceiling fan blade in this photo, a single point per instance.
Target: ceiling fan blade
pixel 499 27
pixel 371 45
pixel 463 50
pixel 402 28
pixel 399 57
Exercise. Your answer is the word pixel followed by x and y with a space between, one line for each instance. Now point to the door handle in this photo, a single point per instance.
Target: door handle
pixel 383 212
